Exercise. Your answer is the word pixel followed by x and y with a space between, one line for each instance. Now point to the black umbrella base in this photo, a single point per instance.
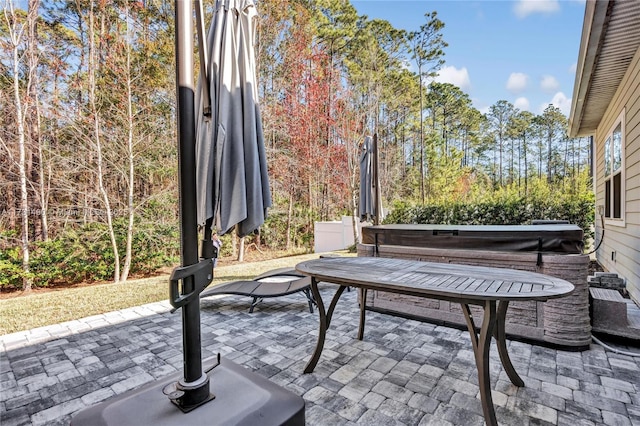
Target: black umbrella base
pixel 242 397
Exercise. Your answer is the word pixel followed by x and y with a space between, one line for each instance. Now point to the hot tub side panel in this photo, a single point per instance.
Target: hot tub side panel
pixel 563 322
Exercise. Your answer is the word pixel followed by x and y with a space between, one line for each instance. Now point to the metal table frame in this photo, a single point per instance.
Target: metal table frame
pixel 367 273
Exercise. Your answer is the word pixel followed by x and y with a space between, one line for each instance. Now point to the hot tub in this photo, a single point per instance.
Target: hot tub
pixel 553 249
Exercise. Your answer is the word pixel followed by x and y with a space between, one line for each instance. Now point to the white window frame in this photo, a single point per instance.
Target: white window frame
pixel 615 221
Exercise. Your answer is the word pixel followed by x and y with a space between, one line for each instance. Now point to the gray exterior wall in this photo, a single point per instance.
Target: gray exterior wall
pixel 620 250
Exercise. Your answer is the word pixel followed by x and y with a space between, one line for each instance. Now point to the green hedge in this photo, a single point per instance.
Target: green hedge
pixel 516 211
pixel 85 254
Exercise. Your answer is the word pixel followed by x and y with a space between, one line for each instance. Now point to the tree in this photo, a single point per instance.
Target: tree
pixel 400 94
pixel 470 126
pixel 374 59
pixel 349 131
pixel 335 30
pixel 499 115
pixel 552 125
pixel 95 41
pixel 427 49
pixel 447 105
pixel 520 128
pixel 33 115
pixel 15 28
pixel 124 73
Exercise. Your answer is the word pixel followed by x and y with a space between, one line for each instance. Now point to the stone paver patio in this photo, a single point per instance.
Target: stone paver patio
pixel 404 372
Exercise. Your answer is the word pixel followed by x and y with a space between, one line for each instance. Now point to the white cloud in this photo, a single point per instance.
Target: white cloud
pixel 517 82
pixel 559 101
pixel 573 68
pixel 549 84
pixel 524 8
pixel 522 104
pixel 453 75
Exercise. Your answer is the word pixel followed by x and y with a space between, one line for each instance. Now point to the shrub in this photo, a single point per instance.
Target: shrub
pixel 85 254
pixel 510 211
pixel 11 272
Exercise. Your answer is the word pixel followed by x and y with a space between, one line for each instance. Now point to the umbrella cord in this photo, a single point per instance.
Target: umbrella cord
pixel 601 236
pixel 618 351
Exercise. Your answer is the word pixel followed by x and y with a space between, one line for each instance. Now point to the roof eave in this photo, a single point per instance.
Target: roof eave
pixel 592 34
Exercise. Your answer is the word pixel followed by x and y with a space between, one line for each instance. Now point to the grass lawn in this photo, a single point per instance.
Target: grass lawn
pixel 56 306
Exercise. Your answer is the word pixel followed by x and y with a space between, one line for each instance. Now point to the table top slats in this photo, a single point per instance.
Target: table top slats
pixel 405 277
pixel 449 281
pixel 464 284
pixel 516 288
pixel 457 281
pixel 431 280
pixel 484 286
pixel 438 280
pixel 495 285
pixel 475 284
pixel 505 287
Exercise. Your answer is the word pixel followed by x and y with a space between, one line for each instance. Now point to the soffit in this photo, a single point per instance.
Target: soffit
pixel 610 39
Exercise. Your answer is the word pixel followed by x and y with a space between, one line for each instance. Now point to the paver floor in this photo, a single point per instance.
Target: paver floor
pixel 405 372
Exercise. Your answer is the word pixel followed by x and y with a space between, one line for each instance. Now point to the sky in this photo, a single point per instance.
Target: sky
pixel 521 51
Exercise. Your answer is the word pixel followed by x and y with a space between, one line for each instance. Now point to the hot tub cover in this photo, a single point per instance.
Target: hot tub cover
pixel 554 238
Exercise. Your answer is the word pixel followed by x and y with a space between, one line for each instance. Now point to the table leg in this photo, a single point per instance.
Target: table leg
pixel 333 304
pixel 481 344
pixel 322 331
pixel 363 306
pixel 324 320
pixel 500 335
pixel 307 293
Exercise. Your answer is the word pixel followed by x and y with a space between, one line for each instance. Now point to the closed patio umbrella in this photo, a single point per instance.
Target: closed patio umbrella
pixel 369 207
pixel 231 185
pixel 223 178
pixel 231 167
pixel 365 206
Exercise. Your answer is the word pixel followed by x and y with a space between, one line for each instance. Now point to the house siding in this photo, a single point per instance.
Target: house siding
pixel 620 250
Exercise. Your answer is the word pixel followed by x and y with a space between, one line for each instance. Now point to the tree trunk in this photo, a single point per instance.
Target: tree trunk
pixel 289 219
pixel 549 159
pixel 526 168
pixel 500 150
pixel 540 160
pixel 15 34
pixel 520 166
pixel 234 244
pixel 34 86
pixel 512 163
pixel 495 167
pixel 11 208
pixel 130 158
pixel 422 191
pixel 95 115
pixel 241 250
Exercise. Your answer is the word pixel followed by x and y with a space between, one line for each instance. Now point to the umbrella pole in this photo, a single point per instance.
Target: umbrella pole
pixel 193 389
pixel 377 201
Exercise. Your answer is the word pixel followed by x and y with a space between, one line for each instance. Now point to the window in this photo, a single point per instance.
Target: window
pixel 614 173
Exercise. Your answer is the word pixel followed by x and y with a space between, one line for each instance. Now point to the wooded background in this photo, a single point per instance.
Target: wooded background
pixel 88 188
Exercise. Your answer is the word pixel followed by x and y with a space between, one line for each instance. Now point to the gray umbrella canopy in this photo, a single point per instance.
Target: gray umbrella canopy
pixel 370 206
pixel 366 206
pixel 231 165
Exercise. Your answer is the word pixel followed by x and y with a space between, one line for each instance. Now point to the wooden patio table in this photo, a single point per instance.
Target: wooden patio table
pixel 490 288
